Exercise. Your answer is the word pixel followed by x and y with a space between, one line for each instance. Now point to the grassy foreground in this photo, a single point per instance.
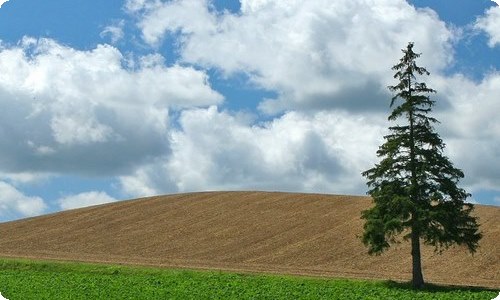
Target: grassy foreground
pixel 23 279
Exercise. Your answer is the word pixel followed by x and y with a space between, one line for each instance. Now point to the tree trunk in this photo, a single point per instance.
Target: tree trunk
pixel 417 277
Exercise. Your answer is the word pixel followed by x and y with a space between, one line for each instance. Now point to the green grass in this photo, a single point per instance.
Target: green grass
pixel 23 279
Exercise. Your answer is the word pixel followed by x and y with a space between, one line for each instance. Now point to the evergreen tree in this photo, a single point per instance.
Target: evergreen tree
pixel 414 186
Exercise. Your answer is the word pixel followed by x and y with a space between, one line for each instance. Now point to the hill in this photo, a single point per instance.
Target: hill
pixel 305 234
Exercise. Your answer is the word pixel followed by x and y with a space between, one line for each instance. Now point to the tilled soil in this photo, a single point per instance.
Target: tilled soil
pixel 286 233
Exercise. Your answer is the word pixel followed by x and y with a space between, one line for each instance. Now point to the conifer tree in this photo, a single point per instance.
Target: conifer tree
pixel 414 186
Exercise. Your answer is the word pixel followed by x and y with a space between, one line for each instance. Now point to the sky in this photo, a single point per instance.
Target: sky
pixel 103 101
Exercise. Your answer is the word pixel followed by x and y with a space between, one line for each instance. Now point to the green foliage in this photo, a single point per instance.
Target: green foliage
pixel 49 280
pixel 415 186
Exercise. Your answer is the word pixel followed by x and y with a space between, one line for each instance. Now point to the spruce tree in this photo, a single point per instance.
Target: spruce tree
pixel 414 186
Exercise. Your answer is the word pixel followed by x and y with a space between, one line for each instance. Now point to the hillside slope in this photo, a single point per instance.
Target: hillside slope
pixel 246 231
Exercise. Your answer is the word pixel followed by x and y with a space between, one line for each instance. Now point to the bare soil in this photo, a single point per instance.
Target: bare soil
pixel 306 234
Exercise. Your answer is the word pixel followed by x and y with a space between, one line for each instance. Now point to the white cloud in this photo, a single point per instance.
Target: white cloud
pixel 471 128
pixel 171 16
pixel 78 130
pixel 114 32
pixel 141 182
pixel 84 199
pixel 138 5
pixel 490 23
pixel 297 152
pixel 23 177
pixel 314 54
pixel 15 203
pixel 322 151
pixel 83 111
pixel 2 2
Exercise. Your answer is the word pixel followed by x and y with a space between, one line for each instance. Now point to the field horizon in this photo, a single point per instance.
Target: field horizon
pixel 262 232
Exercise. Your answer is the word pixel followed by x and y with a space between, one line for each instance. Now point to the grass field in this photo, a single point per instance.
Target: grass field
pixel 24 279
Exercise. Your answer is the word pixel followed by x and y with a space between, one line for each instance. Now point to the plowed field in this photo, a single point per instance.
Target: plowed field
pixel 305 234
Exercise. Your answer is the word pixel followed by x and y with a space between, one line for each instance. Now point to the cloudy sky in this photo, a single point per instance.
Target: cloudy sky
pixel 117 99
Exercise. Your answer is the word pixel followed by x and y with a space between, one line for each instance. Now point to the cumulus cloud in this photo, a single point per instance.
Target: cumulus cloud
pixel 86 111
pixel 471 128
pixel 84 199
pixel 216 150
pixel 320 151
pixel 172 16
pixel 490 23
pixel 314 54
pixel 13 203
pixel 2 2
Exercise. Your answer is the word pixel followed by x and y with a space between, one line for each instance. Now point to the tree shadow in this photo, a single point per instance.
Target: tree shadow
pixel 434 288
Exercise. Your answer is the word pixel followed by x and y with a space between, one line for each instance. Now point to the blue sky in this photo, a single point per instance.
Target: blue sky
pixel 111 100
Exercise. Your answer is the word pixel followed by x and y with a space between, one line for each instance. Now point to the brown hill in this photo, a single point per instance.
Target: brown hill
pixel 245 231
